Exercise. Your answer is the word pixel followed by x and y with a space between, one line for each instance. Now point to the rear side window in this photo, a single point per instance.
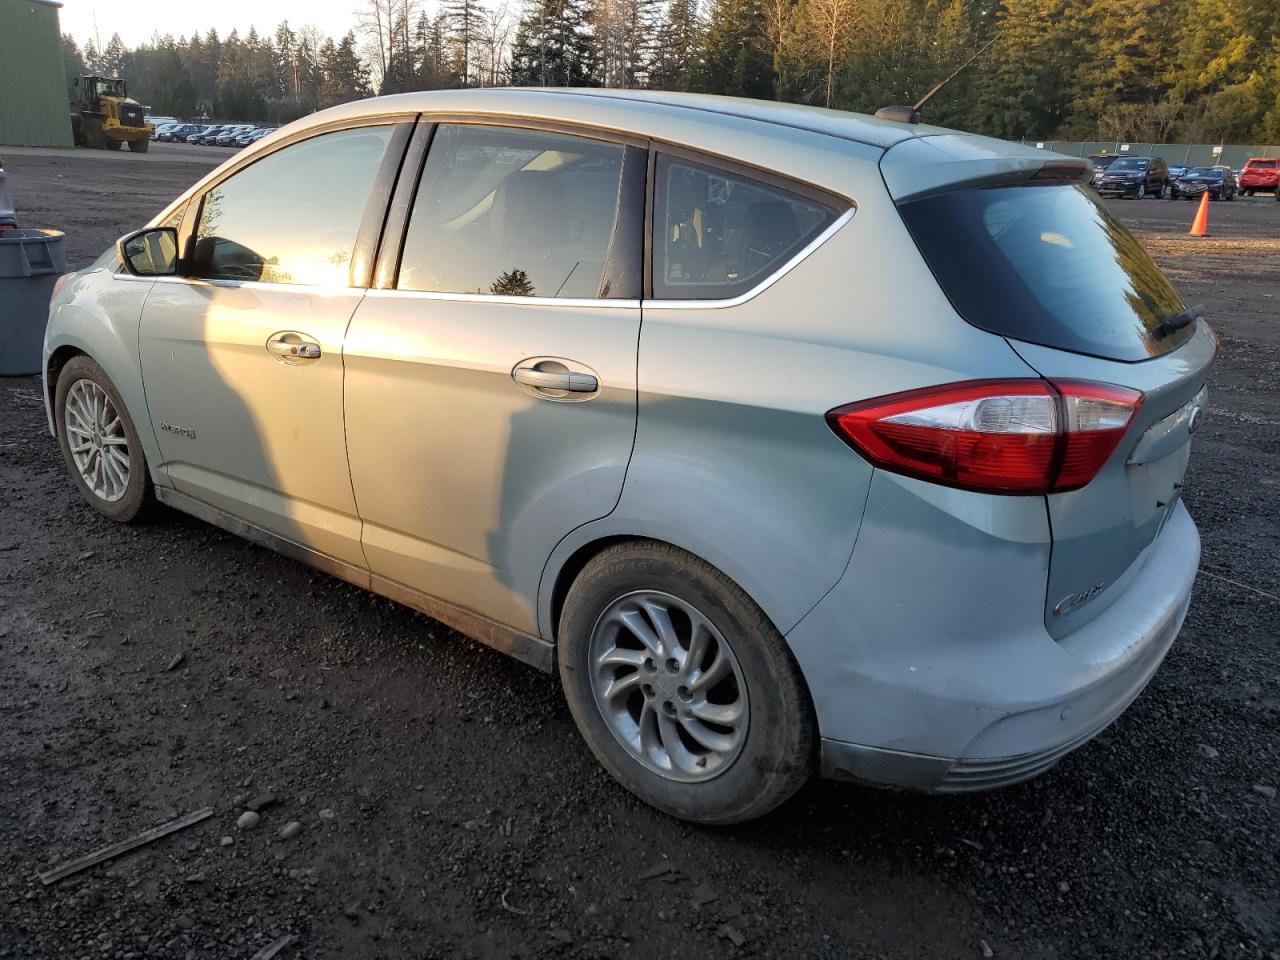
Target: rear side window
pixel 292 217
pixel 1047 264
pixel 512 212
pixel 718 234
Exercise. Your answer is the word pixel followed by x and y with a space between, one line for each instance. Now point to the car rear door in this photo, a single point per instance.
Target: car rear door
pixel 491 373
pixel 242 355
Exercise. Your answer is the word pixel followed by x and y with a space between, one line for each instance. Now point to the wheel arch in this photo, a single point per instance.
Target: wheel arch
pixel 577 550
pixel 81 325
pixel 58 359
pixel 568 571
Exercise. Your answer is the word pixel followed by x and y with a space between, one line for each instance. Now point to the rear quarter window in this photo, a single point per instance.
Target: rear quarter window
pixel 719 234
pixel 1050 265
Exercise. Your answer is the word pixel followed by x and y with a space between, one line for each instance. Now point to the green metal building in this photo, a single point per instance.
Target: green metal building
pixel 34 107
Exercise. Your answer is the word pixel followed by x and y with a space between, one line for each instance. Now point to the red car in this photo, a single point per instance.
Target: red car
pixel 1259 173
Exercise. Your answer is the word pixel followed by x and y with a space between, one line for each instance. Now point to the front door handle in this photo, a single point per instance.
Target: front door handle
pixel 290 347
pixel 567 381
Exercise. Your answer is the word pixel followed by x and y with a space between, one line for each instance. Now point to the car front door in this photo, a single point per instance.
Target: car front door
pixel 242 355
pixel 491 382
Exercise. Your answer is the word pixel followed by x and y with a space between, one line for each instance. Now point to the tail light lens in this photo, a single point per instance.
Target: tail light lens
pixel 993 436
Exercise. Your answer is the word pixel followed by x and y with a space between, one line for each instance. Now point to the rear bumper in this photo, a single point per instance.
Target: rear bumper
pixel 955 714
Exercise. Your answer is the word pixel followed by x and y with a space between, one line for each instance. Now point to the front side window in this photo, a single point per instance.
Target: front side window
pixel 293 216
pixel 511 212
pixel 719 234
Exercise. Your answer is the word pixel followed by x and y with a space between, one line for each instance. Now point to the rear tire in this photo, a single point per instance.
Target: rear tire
pixel 139 146
pixel 701 649
pixel 100 443
pixel 114 144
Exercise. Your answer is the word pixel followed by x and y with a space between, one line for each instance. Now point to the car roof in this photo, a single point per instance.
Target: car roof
pixel 589 105
pixel 798 141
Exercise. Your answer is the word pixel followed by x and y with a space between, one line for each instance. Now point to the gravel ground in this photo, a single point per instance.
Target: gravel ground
pixel 447 807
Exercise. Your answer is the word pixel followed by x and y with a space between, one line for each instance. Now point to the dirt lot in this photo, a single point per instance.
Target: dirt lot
pixel 447 806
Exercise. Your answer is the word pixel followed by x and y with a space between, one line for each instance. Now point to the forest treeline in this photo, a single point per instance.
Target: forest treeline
pixel 1143 70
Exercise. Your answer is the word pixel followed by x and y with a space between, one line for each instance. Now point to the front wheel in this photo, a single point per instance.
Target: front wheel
pixel 100 443
pixel 681 686
pixel 1140 192
pixel 139 146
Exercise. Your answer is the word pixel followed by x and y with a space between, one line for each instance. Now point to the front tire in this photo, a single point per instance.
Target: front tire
pixel 139 146
pixel 1141 192
pixel 100 443
pixel 681 686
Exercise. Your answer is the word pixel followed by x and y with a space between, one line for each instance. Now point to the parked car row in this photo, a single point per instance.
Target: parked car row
pixel 1138 177
pixel 219 134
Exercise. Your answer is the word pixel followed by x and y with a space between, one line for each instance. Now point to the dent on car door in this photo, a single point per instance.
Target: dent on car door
pixel 242 355
pixel 490 394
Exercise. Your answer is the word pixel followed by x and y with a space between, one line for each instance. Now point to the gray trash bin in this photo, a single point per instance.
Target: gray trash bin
pixel 30 261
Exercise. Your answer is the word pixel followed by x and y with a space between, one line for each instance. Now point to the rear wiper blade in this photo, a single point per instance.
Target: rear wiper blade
pixel 1175 323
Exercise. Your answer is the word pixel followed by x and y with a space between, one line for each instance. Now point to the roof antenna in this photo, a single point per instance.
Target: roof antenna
pixel 912 114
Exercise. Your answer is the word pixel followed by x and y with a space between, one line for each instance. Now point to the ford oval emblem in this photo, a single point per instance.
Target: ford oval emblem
pixel 1193 422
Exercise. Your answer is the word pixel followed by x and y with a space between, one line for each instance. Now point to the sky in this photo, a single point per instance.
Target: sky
pixel 137 20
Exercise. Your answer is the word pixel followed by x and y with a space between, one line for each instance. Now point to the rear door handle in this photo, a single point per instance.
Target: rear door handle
pixel 289 347
pixel 568 381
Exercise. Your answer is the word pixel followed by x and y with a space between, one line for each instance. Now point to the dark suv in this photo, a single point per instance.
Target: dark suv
pixel 1135 177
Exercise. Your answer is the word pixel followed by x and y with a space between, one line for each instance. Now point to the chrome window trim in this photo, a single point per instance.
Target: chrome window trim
pixel 763 285
pixel 593 302
pixel 327 290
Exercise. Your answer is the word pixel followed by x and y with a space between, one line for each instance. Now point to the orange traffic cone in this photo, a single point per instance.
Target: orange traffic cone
pixel 1200 225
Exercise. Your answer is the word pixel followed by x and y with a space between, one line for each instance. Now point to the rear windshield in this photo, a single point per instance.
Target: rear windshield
pixel 1262 164
pixel 1048 264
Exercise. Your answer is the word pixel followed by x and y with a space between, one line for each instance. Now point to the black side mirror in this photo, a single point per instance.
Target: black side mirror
pixel 151 252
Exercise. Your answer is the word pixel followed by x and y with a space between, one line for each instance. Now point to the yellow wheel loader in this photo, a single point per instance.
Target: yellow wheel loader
pixel 103 116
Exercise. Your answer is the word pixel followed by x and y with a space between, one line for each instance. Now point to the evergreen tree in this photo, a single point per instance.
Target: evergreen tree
pixel 1129 43
pixel 171 90
pixel 112 61
pixel 678 37
pixel 513 283
pixel 345 75
pixel 733 58
pixel 624 32
pixel 463 26
pixel 73 65
pixel 554 46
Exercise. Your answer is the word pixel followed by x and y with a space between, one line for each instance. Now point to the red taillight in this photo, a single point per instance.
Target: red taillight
pixel 994 436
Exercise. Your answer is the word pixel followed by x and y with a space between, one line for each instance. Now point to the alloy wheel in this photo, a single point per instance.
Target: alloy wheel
pixel 97 440
pixel 668 686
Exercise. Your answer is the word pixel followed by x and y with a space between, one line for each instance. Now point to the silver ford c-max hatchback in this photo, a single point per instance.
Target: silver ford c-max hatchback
pixel 794 440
